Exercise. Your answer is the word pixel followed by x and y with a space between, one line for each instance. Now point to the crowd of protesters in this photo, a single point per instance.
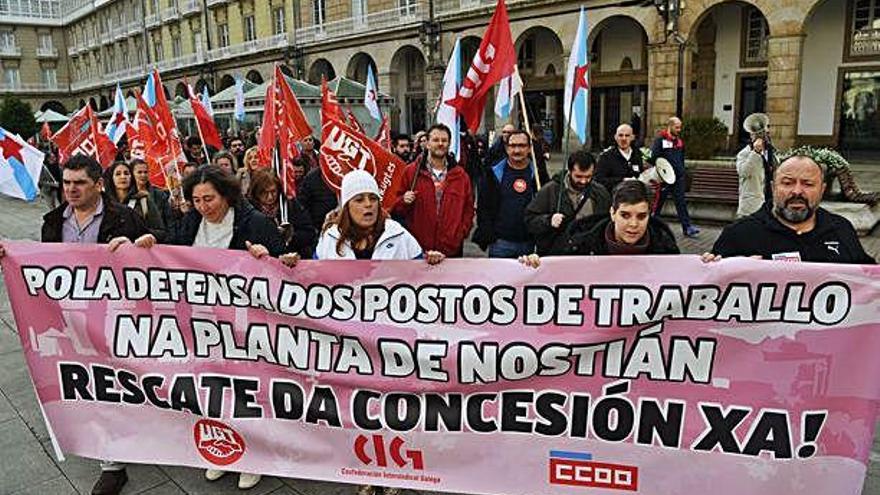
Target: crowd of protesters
pixel 499 195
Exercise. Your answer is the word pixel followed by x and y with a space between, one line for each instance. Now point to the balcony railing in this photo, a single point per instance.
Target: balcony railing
pixel 865 42
pixel 182 61
pixel 85 83
pixel 10 51
pixel 47 52
pixel 451 7
pixel 212 3
pixel 170 14
pixel 133 28
pixel 30 87
pixel 125 74
pixel 386 19
pixel 152 20
pixel 191 7
pixel 73 50
pixel 276 41
pixel 106 37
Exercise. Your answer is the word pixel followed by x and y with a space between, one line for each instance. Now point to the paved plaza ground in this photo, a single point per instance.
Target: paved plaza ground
pixel 29 466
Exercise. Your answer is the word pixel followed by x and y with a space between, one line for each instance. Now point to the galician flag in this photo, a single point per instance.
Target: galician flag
pixel 20 167
pixel 115 128
pixel 447 114
pixel 577 82
pixel 371 95
pixel 239 99
pixel 508 89
pixel 206 101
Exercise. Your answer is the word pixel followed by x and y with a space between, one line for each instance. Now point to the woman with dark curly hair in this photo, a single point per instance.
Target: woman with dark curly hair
pixel 119 184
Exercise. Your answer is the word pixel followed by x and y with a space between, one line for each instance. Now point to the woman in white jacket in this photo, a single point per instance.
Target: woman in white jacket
pixel 360 229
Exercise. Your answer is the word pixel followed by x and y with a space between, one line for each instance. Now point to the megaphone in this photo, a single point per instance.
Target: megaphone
pixel 662 171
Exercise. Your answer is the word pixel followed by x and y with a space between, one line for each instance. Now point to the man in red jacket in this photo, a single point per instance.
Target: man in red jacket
pixel 437 202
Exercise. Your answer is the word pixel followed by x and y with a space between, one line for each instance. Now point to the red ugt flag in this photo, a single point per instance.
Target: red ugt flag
pixel 344 149
pixel 493 62
pixel 82 135
pixel 207 127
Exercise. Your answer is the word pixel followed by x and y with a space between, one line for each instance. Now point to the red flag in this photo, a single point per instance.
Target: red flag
pixel 493 62
pixel 384 136
pixel 207 127
pixel 45 132
pixel 353 121
pixel 344 149
pixel 284 122
pixel 163 149
pixel 82 134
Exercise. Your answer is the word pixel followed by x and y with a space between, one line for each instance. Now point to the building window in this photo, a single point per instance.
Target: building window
pixel 278 21
pixel 756 32
pixel 864 32
pixel 175 47
pixel 250 28
pixel 526 57
pixel 197 42
pixel 11 77
pixel 158 51
pixel 7 40
pixel 319 12
pixel 49 77
pixel 46 42
pixel 222 35
pixel 407 7
pixel 359 10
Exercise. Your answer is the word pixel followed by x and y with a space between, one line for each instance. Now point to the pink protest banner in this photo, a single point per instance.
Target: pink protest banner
pixel 652 375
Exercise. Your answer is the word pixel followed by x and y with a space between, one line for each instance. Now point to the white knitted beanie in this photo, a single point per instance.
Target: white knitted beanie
pixel 357 182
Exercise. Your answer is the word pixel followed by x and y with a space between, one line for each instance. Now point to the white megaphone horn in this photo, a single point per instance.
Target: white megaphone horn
pixel 662 171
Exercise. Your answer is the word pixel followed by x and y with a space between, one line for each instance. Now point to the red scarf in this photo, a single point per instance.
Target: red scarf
pixel 677 143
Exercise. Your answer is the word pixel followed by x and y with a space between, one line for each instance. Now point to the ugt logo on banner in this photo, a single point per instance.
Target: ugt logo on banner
pixel 217 442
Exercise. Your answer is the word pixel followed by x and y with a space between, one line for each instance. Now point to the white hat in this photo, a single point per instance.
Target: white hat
pixel 357 182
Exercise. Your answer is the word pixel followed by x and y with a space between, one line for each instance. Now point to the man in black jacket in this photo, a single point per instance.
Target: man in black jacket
pixel 505 191
pixel 620 161
pixel 572 195
pixel 88 217
pixel 794 227
pixel 630 230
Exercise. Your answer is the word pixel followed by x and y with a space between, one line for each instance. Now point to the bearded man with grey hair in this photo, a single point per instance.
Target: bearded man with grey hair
pixel 794 227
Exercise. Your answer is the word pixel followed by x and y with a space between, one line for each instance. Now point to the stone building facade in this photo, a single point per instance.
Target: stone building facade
pixel 812 65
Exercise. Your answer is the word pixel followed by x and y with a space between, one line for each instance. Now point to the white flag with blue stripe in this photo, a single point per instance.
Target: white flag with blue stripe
pixel 371 95
pixel 206 101
pixel 577 102
pixel 508 89
pixel 115 128
pixel 239 98
pixel 20 167
pixel 447 115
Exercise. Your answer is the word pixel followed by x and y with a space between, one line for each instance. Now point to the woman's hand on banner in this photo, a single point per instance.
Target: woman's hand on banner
pixel 256 250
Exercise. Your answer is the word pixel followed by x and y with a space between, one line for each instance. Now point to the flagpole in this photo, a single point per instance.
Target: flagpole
pixel 522 102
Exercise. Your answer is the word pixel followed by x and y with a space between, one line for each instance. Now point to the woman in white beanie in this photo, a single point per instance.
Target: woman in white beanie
pixel 360 229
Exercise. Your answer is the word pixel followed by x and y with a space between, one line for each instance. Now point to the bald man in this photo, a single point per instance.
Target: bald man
pixel 620 161
pixel 498 150
pixel 670 146
pixel 794 227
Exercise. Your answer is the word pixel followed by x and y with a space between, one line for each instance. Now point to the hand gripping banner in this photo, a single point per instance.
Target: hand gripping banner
pixel 627 374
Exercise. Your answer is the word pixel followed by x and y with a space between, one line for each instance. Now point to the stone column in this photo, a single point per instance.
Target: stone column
pixel 784 87
pixel 662 85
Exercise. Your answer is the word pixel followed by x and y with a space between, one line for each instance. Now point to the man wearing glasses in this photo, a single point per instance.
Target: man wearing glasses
pixel 505 191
